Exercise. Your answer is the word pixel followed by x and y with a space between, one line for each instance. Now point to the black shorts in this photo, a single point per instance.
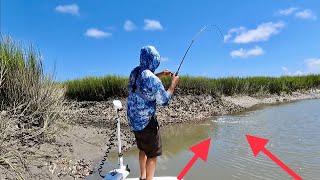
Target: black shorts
pixel 149 139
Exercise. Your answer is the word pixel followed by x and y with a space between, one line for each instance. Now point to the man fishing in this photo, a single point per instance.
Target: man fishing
pixel 145 92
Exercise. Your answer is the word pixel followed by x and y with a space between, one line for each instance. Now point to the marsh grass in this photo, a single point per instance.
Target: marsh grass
pixel 248 85
pixel 102 88
pixel 30 105
pixel 96 88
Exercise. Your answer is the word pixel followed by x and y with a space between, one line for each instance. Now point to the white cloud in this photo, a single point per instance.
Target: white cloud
pixel 296 73
pixel 152 25
pixel 164 59
pixel 204 74
pixel 263 32
pixel 288 11
pixel 306 14
pixel 286 71
pixel 301 14
pixel 313 65
pixel 129 26
pixel 233 31
pixel 68 9
pixel 243 53
pixel 299 73
pixel 96 33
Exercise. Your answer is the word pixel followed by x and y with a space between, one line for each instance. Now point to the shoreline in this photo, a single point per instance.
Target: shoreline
pixel 82 143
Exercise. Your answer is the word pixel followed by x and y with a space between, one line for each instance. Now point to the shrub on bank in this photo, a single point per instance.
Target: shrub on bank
pixel 30 104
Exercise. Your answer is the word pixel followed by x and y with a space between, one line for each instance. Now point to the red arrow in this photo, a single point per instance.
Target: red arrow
pixel 258 144
pixel 200 151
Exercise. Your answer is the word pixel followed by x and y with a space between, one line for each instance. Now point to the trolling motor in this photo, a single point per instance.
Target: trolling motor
pixel 123 171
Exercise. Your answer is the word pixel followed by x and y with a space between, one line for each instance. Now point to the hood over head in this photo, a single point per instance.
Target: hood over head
pixel 149 58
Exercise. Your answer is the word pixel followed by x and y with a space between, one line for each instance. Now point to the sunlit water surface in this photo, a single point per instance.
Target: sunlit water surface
pixel 293 130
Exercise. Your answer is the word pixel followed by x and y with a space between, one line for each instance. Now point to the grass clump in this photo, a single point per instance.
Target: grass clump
pixel 102 88
pixel 30 105
pixel 247 85
pixel 95 88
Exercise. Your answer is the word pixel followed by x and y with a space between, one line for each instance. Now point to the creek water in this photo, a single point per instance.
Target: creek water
pixel 293 130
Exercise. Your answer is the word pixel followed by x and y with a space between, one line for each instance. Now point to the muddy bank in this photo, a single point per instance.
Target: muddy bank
pixel 78 148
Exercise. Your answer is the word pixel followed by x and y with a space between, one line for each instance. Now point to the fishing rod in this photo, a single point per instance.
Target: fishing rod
pixel 204 28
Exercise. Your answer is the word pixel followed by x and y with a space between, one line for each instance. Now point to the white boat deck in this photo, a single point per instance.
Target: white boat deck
pixel 156 178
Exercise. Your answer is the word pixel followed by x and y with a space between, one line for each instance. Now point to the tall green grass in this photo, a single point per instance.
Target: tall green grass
pixel 102 88
pixel 30 106
pixel 22 73
pixel 97 88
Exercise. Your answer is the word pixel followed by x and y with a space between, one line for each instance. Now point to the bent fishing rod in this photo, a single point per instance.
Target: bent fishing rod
pixel 204 28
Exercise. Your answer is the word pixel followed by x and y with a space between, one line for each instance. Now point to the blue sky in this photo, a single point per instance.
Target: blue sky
pixel 80 38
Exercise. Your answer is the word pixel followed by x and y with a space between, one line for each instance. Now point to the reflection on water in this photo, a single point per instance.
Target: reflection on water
pixel 293 130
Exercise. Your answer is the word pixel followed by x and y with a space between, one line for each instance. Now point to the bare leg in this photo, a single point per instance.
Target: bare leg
pixel 142 162
pixel 151 167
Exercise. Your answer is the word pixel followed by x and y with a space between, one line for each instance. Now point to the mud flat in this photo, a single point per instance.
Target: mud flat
pixel 84 140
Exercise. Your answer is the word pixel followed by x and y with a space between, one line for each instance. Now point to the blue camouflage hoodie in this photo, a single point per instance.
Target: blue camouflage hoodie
pixel 145 90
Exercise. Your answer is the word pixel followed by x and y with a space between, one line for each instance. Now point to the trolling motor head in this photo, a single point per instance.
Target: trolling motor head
pixel 117 105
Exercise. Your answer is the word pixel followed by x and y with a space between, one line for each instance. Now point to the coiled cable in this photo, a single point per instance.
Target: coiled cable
pixel 109 145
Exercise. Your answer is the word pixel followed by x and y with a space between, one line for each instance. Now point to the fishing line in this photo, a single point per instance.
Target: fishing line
pixel 204 28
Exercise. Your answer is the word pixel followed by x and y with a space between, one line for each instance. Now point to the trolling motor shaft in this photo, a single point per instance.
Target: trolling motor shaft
pixel 118 106
pixel 123 171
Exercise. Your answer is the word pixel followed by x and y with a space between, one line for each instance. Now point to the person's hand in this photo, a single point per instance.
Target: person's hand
pixel 166 72
pixel 174 83
pixel 175 80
